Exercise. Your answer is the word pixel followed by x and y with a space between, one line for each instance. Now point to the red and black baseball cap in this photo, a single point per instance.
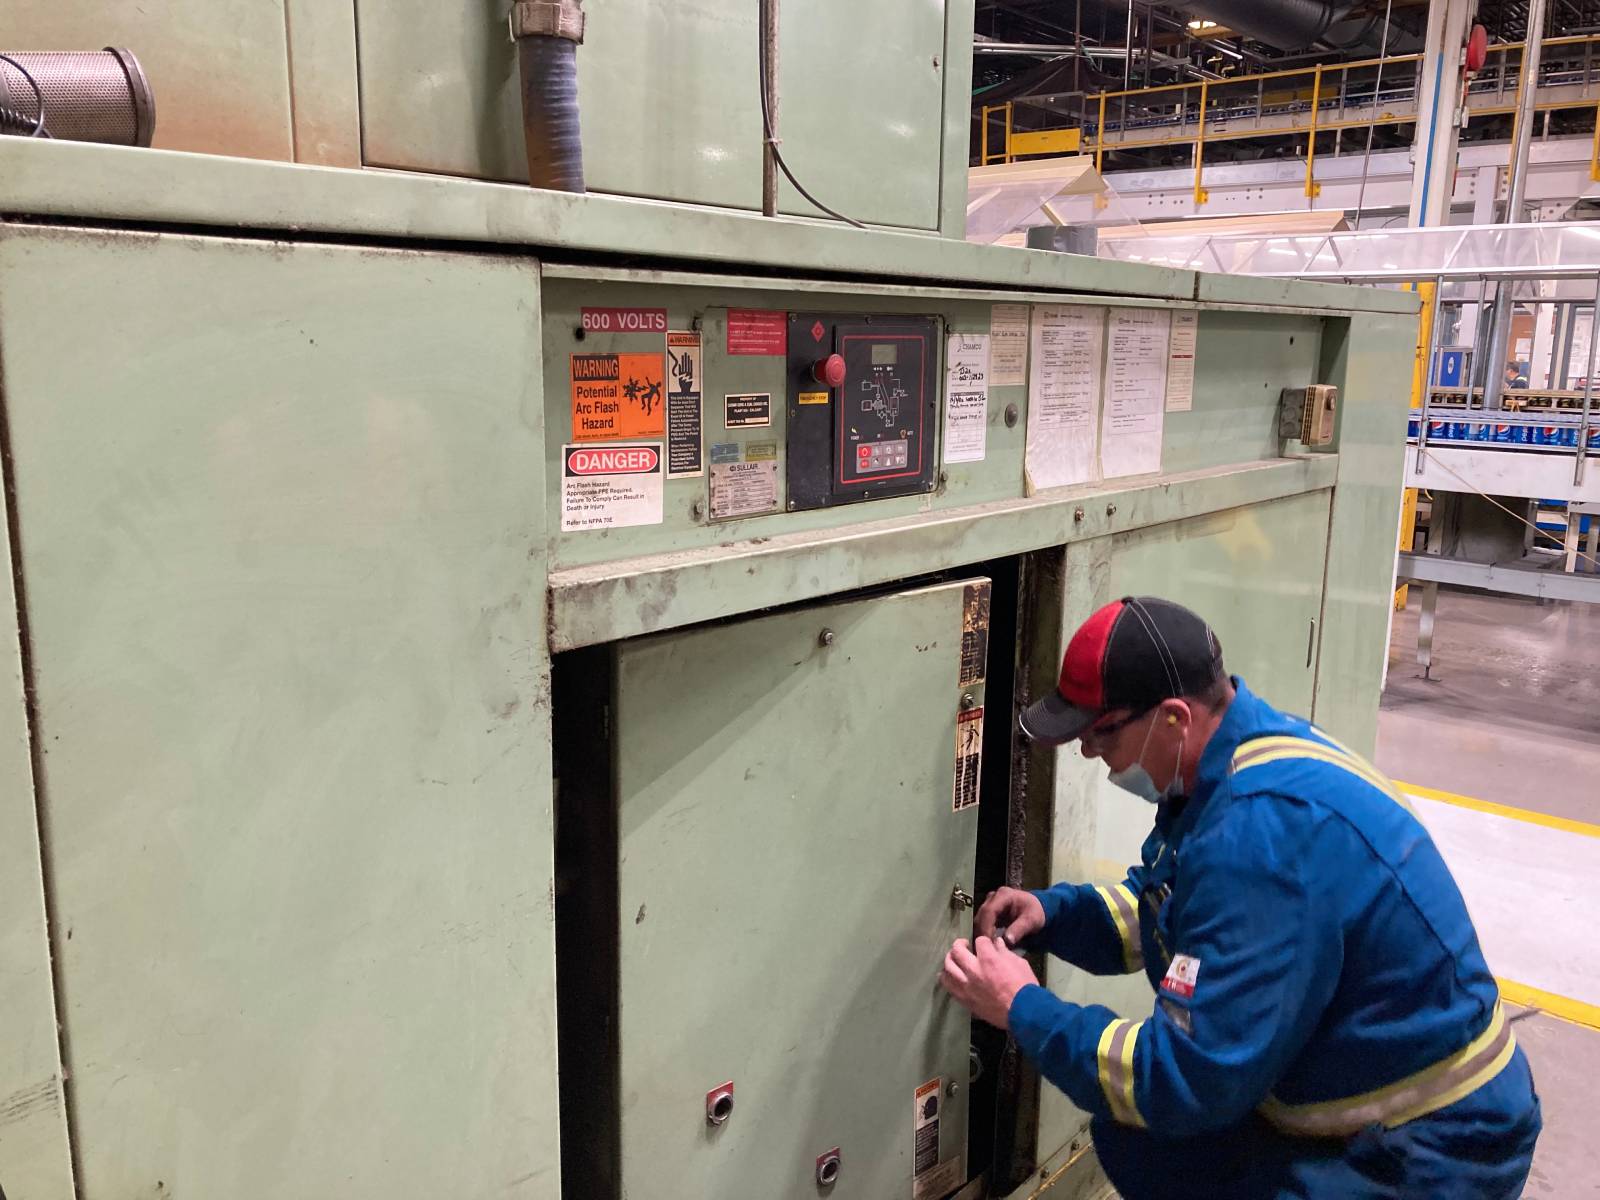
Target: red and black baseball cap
pixel 1133 653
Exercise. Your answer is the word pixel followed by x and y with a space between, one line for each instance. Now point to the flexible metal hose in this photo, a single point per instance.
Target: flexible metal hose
pixel 549 71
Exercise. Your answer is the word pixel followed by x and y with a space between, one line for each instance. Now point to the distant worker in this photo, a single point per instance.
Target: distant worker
pixel 1324 1024
pixel 1515 376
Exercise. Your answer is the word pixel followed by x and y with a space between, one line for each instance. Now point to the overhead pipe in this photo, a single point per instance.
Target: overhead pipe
pixel 548 34
pixel 1286 24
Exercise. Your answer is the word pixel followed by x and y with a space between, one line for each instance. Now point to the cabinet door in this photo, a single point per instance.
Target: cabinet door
pixel 789 834
pixel 1255 573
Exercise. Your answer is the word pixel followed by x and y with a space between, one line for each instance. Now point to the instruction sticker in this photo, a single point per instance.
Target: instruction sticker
pixel 617 396
pixel 757 331
pixel 743 489
pixel 611 487
pixel 748 411
pixel 974 632
pixel 969 758
pixel 813 397
pixel 684 435
pixel 1008 335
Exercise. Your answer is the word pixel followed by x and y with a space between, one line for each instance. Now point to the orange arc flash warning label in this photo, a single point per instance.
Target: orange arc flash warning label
pixel 617 396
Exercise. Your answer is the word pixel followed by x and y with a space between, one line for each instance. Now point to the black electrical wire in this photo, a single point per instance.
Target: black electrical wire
pixel 766 126
pixel 11 116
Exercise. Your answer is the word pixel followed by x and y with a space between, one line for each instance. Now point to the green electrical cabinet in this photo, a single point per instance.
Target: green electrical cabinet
pixel 373 827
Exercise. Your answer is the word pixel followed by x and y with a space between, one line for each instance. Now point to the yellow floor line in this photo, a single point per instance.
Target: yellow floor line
pixel 1564 1007
pixel 1502 810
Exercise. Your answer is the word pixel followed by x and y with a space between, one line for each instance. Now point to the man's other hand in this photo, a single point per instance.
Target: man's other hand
pixel 985 978
pixel 1016 912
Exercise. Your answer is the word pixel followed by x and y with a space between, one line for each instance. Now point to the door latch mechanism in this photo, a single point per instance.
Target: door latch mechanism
pixel 960 900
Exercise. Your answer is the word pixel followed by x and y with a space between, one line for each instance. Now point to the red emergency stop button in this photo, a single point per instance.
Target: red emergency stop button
pixel 829 370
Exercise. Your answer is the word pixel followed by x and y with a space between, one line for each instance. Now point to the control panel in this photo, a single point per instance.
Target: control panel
pixel 863 403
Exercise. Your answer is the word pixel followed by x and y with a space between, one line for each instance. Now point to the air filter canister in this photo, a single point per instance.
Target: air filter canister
pixel 89 95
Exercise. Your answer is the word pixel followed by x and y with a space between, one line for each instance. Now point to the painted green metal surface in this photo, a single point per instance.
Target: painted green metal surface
pixel 788 850
pixel 1365 355
pixel 861 117
pixel 35 1162
pixel 80 180
pixel 608 600
pixel 281 508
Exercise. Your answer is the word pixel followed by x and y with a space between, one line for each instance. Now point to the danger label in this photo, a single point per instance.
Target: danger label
pixel 611 487
pixel 624 320
pixel 969 758
pixel 617 396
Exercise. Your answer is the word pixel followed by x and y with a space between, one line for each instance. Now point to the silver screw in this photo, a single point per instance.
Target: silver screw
pixel 1111 510
pixel 825 638
pixel 951 1088
pixel 968 700
pixel 1077 513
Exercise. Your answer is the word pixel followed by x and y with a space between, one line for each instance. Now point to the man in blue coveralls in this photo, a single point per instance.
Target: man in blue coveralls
pixel 1324 1024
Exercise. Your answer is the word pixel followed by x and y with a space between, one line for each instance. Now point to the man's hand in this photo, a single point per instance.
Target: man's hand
pixel 985 979
pixel 1019 913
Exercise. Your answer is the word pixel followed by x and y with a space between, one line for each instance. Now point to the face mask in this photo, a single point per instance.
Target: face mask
pixel 1136 780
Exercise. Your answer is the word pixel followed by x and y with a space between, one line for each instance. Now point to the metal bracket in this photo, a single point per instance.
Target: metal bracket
pixel 547 18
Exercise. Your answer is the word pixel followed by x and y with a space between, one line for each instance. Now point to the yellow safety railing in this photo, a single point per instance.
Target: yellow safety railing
pixel 1190 125
pixel 1020 144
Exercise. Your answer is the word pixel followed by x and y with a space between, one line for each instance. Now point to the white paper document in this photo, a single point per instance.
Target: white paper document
pixel 1180 361
pixel 1008 326
pixel 1135 390
pixel 1068 359
pixel 966 397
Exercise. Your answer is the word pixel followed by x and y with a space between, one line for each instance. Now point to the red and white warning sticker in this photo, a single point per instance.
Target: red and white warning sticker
pixel 611 486
pixel 969 758
pixel 1181 976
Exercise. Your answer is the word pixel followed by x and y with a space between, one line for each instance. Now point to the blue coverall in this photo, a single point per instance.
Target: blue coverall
pixel 1324 1022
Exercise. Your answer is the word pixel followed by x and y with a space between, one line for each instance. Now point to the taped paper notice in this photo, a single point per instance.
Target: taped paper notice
pixel 1068 359
pixel 969 758
pixel 685 458
pixel 1180 361
pixel 1008 358
pixel 611 487
pixel 966 397
pixel 1136 385
pixel 743 489
pixel 617 396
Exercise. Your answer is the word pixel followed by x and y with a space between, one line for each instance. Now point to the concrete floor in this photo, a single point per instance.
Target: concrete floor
pixel 1512 716
pixel 1512 713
